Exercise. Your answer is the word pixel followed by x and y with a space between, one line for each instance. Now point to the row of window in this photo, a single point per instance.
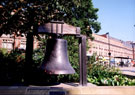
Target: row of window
pixel 104 53
pixel 114 50
pixel 8 43
pixel 10 46
pixel 7 40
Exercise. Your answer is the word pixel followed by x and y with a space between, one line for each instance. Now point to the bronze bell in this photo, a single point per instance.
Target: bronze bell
pixel 56 58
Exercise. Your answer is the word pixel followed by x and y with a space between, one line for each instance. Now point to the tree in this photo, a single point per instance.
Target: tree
pixel 23 16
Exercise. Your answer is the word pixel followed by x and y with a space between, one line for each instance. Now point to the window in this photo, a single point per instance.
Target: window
pixel 9 45
pixel 22 46
pixel 4 45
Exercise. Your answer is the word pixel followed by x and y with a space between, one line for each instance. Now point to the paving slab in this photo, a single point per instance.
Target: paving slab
pixel 68 89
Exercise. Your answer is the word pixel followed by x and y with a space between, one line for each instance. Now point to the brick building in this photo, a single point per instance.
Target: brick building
pixel 100 45
pixel 119 49
pixel 11 42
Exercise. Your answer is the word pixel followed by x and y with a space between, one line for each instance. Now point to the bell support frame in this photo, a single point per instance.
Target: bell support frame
pixel 61 28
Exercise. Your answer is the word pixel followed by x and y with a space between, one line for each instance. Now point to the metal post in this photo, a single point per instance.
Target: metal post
pixel 109 49
pixel 133 53
pixel 14 37
pixel 133 50
pixel 109 53
pixel 82 60
pixel 28 58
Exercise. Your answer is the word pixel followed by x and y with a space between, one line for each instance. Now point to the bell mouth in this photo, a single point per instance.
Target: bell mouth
pixel 58 72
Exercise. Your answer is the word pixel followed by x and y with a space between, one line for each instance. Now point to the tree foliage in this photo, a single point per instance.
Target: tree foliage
pixel 23 16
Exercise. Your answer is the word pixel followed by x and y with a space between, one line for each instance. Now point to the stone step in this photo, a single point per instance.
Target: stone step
pixel 67 89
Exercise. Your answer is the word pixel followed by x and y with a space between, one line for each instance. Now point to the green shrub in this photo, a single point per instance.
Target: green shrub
pixel 102 74
pixel 3 51
pixel 11 67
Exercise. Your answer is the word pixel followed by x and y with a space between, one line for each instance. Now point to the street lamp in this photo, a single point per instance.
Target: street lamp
pixel 109 53
pixel 133 50
pixel 133 43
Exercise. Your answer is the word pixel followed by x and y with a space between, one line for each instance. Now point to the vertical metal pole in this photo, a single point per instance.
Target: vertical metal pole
pixel 28 58
pixel 61 28
pixel 51 27
pixel 29 48
pixel 82 60
pixel 14 36
pixel 56 28
pixel 133 53
pixel 109 49
pixel 133 50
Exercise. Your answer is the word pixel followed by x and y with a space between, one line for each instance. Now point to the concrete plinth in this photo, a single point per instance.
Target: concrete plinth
pixel 68 89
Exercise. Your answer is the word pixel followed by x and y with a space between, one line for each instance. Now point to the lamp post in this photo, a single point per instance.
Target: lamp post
pixel 109 53
pixel 133 50
pixel 133 43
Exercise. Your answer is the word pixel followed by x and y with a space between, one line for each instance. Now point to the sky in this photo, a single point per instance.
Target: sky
pixel 117 17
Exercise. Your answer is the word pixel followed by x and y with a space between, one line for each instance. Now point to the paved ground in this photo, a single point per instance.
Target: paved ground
pixel 130 71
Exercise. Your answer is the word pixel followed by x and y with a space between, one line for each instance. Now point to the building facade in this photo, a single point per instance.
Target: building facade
pixel 11 42
pixel 103 44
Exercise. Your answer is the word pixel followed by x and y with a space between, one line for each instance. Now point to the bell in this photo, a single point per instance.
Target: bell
pixel 56 59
